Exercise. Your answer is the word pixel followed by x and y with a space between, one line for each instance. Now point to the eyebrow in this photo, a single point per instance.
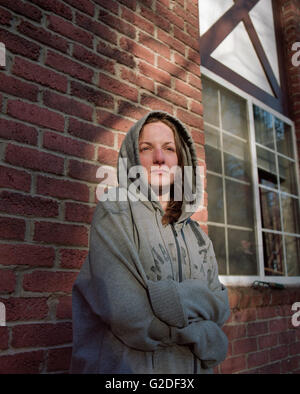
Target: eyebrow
pixel 149 143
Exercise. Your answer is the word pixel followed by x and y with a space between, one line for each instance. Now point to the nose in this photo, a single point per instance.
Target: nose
pixel 158 156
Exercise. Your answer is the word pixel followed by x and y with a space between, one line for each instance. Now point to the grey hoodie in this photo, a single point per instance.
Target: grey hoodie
pixel 148 298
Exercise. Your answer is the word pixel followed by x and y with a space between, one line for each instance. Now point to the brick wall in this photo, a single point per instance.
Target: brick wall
pixel 290 20
pixel 78 75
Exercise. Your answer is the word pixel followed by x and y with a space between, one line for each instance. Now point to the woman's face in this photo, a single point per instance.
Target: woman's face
pixel 158 153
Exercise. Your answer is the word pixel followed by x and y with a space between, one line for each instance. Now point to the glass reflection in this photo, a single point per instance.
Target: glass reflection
pixel 273 254
pixel 239 204
pixel 212 150
pixel 233 112
pixel 242 252
pixel 284 138
pixel 210 102
pixel 215 199
pixel 287 175
pixel 236 159
pixel 290 212
pixel 217 236
pixel 292 248
pixel 270 212
pixel 263 121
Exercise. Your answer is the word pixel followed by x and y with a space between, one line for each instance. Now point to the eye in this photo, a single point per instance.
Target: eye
pixel 171 149
pixel 144 148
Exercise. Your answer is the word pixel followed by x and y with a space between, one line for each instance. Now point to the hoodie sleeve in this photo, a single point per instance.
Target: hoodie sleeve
pixel 111 285
pixel 199 299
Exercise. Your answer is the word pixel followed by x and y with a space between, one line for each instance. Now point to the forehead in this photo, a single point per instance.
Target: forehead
pixel 156 131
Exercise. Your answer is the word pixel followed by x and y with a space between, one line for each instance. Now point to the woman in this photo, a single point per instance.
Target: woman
pixel 148 298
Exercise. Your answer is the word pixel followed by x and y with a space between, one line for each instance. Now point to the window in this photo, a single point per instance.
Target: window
pixel 253 196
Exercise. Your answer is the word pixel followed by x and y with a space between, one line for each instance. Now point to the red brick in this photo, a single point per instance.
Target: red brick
pixel 173 97
pixel 34 159
pixel 19 45
pixel 258 358
pixel 14 179
pixel 187 64
pixel 123 57
pixel 188 90
pixel 60 234
pixel 110 120
pixel 90 132
pixel 11 228
pixel 68 105
pixel 257 328
pixel 267 341
pixel 18 132
pixel 44 76
pixel 86 6
pixel 49 281
pixel 287 337
pixel 20 204
pixel 22 363
pixel 68 66
pixel 67 29
pixel 125 108
pixel 137 79
pixel 55 6
pixel 24 9
pixel 5 17
pixel 290 364
pixel 68 145
pixel 244 315
pixel 198 136
pixel 31 255
pixel 273 368
pixel 153 72
pixel 34 114
pixel 91 58
pixel 27 308
pixel 117 23
pixel 233 364
pixel 63 189
pixel 154 103
pixel 64 308
pixel 94 96
pixel 235 331
pixel 83 171
pixel 111 6
pixel 172 42
pixel 4 337
pixel 171 68
pixel 244 346
pixel 72 258
pixel 7 281
pixel 108 156
pixel 18 88
pixel 196 107
pixel 45 334
pixel 136 20
pixel 279 353
pixel 278 325
pixel 43 36
pixel 190 119
pixel 97 28
pixel 294 348
pixel 155 45
pixel 79 213
pixel 115 86
pixel 59 359
pixel 158 20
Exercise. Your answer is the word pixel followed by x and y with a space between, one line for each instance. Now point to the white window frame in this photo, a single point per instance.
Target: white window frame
pixel 245 280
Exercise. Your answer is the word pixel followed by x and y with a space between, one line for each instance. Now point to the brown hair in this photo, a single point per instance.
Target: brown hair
pixel 173 210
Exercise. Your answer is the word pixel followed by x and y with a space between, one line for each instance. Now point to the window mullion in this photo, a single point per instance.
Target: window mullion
pixel 257 210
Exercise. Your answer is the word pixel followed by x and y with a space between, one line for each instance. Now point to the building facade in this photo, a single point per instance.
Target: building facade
pixel 74 76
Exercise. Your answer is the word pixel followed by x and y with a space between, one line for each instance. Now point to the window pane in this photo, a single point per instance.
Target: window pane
pixel 239 204
pixel 292 247
pixel 233 112
pixel 290 212
pixel 236 159
pixel 273 254
pixel 210 103
pixel 212 150
pixel 263 127
pixel 242 252
pixel 284 138
pixel 217 236
pixel 215 199
pixel 287 175
pixel 270 212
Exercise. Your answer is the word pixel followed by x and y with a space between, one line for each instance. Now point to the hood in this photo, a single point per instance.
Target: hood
pixel 130 152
